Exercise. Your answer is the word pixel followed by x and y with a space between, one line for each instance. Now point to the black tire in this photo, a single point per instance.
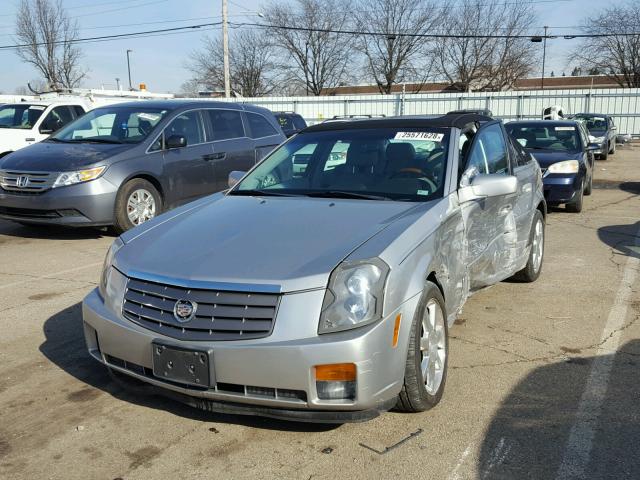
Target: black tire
pixel 529 273
pixel 612 148
pixel 576 205
pixel 122 223
pixel 605 154
pixel 414 396
pixel 589 188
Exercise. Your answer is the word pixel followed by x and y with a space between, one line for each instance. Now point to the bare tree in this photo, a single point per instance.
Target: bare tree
pixel 391 58
pixel 250 61
pixel 478 62
pixel 48 32
pixel 316 56
pixel 617 56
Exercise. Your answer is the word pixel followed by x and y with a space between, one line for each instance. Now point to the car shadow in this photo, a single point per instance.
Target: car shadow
pixel 64 345
pixel 13 229
pixel 630 187
pixel 528 435
pixel 624 239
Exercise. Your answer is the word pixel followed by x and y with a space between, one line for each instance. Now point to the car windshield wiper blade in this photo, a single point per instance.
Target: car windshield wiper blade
pixel 344 194
pixel 94 140
pixel 264 192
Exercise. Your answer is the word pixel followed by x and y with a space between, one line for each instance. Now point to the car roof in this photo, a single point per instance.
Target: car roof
pixel 175 104
pixel 542 123
pixel 455 121
pixel 590 115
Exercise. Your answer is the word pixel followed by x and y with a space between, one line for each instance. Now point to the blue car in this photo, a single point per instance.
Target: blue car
pixel 565 156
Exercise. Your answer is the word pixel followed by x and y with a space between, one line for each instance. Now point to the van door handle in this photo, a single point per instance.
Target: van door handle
pixel 214 156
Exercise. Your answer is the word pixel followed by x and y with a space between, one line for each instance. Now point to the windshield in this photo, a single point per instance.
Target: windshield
pixel 378 164
pixel 595 125
pixel 560 138
pixel 112 125
pixel 23 115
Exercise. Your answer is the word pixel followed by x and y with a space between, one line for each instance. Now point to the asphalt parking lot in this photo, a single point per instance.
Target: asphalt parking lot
pixel 544 379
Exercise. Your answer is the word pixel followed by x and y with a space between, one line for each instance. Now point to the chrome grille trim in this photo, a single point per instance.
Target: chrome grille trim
pixel 221 315
pixel 37 182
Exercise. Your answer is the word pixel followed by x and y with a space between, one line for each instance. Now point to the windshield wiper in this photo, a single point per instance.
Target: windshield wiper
pixel 344 194
pixel 94 140
pixel 265 193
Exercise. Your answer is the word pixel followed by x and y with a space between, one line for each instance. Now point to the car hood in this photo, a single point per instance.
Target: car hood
pixel 59 157
pixel 548 157
pixel 270 244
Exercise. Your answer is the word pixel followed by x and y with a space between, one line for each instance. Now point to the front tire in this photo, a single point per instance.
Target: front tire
pixel 532 269
pixel 427 357
pixel 605 154
pixel 576 205
pixel 612 150
pixel 589 188
pixel 137 202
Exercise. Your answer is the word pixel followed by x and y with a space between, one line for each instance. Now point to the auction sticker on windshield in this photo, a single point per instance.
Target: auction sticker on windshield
pixel 565 129
pixel 434 137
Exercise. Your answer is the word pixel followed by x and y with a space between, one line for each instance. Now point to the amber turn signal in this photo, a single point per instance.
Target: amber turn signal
pixel 396 331
pixel 337 372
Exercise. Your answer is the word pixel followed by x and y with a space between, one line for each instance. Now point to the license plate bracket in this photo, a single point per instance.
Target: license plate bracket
pixel 183 365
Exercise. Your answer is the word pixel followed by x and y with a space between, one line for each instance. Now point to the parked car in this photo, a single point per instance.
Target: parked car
pixel 290 122
pixel 565 155
pixel 23 124
pixel 324 294
pixel 123 164
pixel 602 131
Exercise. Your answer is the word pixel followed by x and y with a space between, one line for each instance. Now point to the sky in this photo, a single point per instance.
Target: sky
pixel 159 61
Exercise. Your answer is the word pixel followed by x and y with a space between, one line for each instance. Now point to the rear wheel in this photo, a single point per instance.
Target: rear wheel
pixel 532 269
pixel 576 205
pixel 138 201
pixel 427 356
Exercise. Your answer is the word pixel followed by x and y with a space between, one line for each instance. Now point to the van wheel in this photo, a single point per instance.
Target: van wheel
pixel 532 269
pixel 137 202
pixel 427 356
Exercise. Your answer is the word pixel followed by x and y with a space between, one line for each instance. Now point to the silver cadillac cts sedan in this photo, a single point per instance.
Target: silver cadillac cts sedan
pixel 322 285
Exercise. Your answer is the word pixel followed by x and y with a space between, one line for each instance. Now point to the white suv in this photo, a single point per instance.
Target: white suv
pixel 25 123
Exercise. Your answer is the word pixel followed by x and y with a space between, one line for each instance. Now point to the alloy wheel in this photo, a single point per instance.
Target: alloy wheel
pixel 141 206
pixel 433 347
pixel 537 246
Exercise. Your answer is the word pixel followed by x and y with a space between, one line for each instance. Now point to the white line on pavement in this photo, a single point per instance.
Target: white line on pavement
pixel 578 450
pixel 49 276
pixel 455 475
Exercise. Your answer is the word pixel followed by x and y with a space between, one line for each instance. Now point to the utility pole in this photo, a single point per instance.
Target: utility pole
pixel 225 49
pixel 129 68
pixel 117 83
pixel 544 53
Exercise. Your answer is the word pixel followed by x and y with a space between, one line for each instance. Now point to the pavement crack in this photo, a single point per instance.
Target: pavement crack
pixel 491 347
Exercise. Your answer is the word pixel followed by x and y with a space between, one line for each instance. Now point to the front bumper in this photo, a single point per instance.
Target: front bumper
pixel 283 362
pixel 561 188
pixel 85 204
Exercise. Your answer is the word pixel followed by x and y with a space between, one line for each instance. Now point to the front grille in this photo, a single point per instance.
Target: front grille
pixel 28 213
pixel 26 182
pixel 220 315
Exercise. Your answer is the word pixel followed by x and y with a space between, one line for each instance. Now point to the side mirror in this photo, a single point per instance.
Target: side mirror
pixel 488 185
pixel 46 131
pixel 593 146
pixel 234 177
pixel 176 141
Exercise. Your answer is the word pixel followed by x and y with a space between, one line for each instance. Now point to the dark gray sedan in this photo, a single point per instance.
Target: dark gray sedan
pixel 124 164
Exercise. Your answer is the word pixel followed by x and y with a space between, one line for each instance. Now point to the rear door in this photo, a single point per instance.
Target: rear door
pixel 490 224
pixel 232 148
pixel 526 171
pixel 264 134
pixel 189 170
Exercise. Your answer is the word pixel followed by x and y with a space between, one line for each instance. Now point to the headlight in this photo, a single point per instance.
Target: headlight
pixel 79 176
pixel 568 166
pixel 593 139
pixel 106 268
pixel 354 296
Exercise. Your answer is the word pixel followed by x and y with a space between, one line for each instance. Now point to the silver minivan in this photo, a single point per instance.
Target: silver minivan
pixel 322 287
pixel 124 164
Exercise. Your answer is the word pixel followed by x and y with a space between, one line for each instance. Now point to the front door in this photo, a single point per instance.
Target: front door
pixel 490 224
pixel 189 170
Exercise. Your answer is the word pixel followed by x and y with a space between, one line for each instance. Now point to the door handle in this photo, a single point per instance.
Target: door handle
pixel 214 156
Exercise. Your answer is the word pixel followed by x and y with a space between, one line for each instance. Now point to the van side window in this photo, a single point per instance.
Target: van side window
pixel 78 110
pixel 189 125
pixel 226 124
pixel 259 126
pixel 56 119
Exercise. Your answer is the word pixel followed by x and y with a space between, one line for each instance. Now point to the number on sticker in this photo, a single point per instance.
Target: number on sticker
pixel 434 137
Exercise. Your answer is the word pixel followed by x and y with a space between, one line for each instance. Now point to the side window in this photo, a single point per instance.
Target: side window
pixel 259 126
pixel 226 124
pixel 78 110
pixel 56 119
pixel 189 125
pixel 519 154
pixel 489 152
